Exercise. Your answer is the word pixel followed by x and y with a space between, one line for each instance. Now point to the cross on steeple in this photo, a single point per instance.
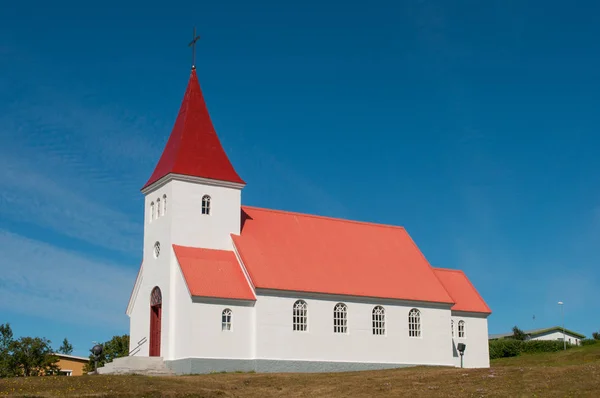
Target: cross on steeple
pixel 193 45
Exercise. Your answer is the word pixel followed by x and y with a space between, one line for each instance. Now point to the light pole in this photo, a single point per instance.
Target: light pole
pixel 562 314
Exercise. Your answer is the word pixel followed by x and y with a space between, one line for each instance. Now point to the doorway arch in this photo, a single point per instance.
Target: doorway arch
pixel 155 321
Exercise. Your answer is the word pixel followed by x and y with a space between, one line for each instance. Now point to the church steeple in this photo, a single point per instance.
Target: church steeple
pixel 193 148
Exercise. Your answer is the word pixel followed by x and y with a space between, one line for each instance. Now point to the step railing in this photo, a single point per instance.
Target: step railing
pixel 138 347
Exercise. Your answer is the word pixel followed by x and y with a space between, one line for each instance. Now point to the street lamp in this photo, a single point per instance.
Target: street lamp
pixel 461 350
pixel 562 314
pixel 96 351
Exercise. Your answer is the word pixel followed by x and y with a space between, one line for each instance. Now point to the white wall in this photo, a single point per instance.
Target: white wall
pixel 139 317
pixel 197 325
pixel 183 223
pixel 192 228
pixel 477 354
pixel 275 338
pixel 558 335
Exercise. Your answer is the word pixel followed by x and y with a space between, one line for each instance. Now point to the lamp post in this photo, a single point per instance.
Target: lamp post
pixel 461 350
pixel 96 351
pixel 562 314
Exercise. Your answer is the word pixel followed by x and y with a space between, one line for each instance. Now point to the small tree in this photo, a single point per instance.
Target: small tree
pixel 596 336
pixel 32 356
pixel 7 365
pixel 518 334
pixel 116 347
pixel 66 347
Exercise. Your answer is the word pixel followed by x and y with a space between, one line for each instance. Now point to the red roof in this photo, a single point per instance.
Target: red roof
pixel 194 148
pixel 462 291
pixel 306 253
pixel 213 273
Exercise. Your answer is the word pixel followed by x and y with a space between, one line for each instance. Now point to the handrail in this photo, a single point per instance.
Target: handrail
pixel 138 347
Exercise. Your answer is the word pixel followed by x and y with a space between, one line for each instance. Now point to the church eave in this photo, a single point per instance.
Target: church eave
pixel 190 178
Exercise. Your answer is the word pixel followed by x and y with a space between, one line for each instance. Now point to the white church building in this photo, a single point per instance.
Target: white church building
pixel 228 287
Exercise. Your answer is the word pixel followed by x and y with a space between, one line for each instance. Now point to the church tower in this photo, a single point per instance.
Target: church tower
pixel 193 198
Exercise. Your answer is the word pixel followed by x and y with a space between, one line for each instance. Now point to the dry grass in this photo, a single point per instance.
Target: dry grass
pixel 574 373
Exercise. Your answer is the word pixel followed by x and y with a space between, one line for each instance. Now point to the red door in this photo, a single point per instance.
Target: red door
pixel 155 322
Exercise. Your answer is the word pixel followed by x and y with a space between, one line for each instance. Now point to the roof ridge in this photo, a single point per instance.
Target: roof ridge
pixel 476 291
pixel 345 220
pixel 412 241
pixel 449 270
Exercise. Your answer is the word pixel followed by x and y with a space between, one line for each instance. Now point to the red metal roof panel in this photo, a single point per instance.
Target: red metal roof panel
pixel 301 252
pixel 462 291
pixel 213 273
pixel 193 148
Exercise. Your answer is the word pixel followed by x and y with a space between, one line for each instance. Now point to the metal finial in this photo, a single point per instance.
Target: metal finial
pixel 193 45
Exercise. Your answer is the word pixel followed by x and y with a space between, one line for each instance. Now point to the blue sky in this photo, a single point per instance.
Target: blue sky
pixel 473 124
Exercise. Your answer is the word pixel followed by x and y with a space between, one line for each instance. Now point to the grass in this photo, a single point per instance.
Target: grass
pixel 574 373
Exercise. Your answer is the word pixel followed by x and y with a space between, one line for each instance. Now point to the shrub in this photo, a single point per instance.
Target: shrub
pixel 504 348
pixel 588 341
pixel 535 346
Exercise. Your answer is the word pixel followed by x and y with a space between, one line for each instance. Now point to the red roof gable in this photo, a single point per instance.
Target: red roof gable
pixel 213 273
pixel 462 291
pixel 300 252
pixel 194 148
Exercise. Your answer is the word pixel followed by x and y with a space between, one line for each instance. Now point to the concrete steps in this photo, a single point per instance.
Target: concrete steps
pixel 148 366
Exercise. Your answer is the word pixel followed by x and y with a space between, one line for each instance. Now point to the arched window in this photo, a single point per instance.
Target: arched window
pixel 156 249
pixel 414 323
pixel 452 326
pixel 155 297
pixel 164 204
pixel 226 319
pixel 378 320
pixel 340 318
pixel 158 209
pixel 151 211
pixel 461 329
pixel 300 316
pixel 206 205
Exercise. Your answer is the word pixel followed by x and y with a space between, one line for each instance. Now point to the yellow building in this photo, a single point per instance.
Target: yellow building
pixel 71 365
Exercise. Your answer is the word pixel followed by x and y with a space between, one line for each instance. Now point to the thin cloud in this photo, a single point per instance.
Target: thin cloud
pixel 40 280
pixel 37 198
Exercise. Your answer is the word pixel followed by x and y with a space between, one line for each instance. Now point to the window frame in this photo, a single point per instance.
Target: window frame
pixel 300 316
pixel 462 333
pixel 226 320
pixel 206 202
pixel 340 318
pixel 378 321
pixel 414 323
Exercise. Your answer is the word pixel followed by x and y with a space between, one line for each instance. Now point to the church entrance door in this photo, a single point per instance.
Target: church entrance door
pixel 155 321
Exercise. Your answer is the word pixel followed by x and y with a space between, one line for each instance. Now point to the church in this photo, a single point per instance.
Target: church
pixel 228 287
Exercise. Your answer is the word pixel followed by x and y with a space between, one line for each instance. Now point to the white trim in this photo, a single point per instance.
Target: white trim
pixel 472 315
pixel 135 290
pixel 198 180
pixel 239 258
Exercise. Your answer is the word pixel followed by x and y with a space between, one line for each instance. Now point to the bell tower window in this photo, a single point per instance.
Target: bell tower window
pixel 206 205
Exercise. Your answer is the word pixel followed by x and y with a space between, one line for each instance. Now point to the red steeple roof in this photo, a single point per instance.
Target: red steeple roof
pixel 194 149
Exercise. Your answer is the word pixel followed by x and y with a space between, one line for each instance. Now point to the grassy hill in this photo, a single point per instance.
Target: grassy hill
pixel 574 373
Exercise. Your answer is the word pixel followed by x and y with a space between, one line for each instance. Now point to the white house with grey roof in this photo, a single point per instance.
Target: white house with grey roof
pixel 552 333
